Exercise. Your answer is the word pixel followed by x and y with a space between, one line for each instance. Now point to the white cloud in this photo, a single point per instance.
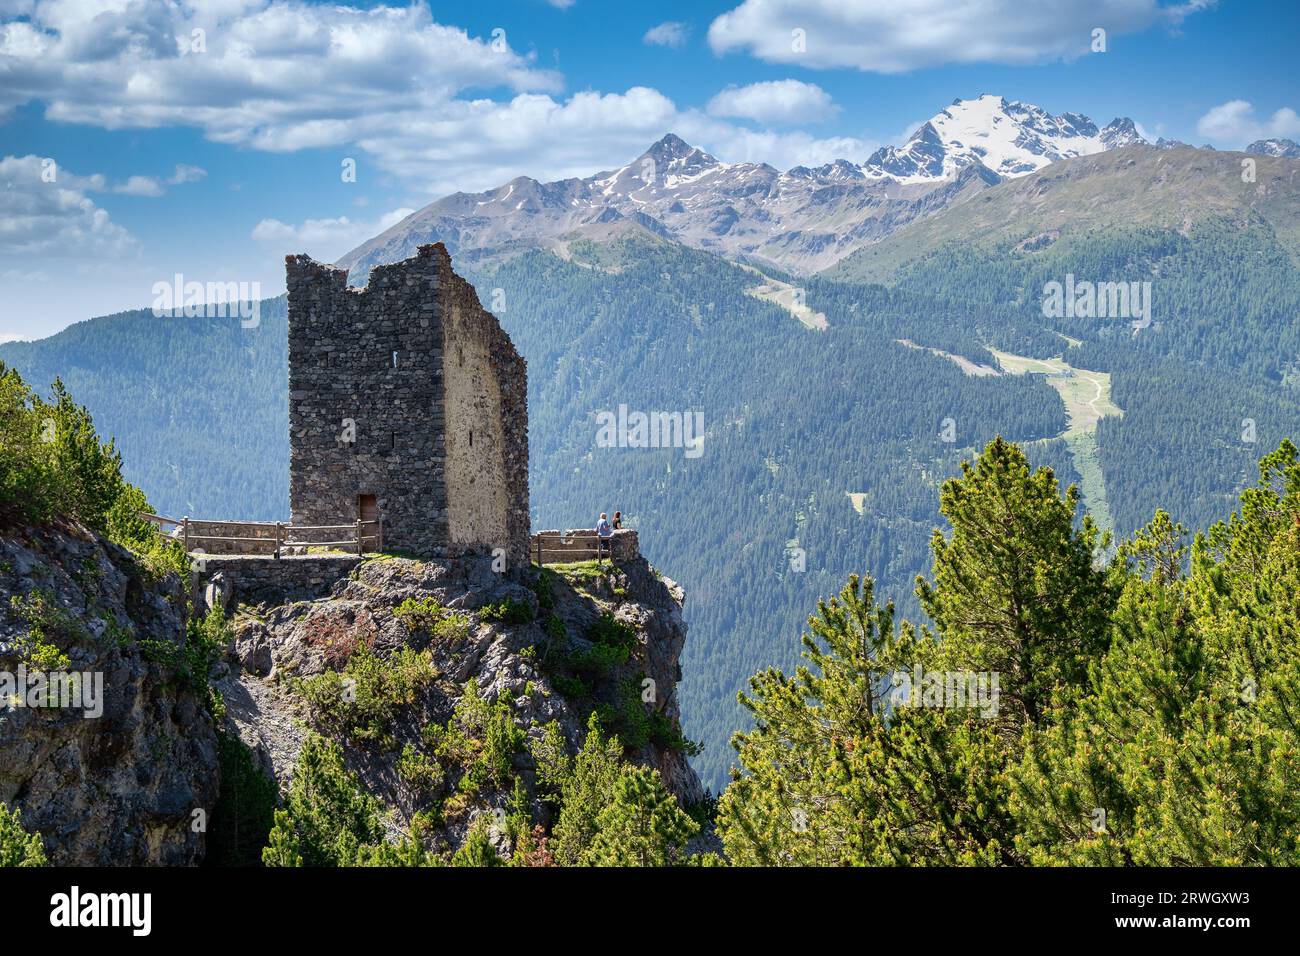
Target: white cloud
pixel 325 239
pixel 780 149
pixel 153 187
pixel 186 174
pixel 775 101
pixel 57 219
pixel 894 36
pixel 1233 124
pixel 483 144
pixel 670 33
pixel 409 93
pixel 140 186
pixel 272 74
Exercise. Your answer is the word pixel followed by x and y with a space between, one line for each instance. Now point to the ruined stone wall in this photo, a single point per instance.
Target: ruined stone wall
pixel 365 399
pixel 486 409
pixel 375 409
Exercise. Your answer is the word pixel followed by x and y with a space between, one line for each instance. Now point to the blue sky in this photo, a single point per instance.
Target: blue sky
pixel 215 154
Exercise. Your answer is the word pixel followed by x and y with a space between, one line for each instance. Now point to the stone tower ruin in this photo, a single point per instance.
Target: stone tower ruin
pixel 407 403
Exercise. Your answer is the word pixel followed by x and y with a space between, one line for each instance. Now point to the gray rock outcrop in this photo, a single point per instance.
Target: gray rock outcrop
pixel 134 784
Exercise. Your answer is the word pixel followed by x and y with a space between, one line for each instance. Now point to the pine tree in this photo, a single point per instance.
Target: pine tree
pixel 835 772
pixel 1015 591
pixel 477 849
pixel 641 826
pixel 582 786
pixel 841 769
pixel 17 846
pixel 1182 750
pixel 245 808
pixel 326 818
pixel 283 847
pixel 1107 759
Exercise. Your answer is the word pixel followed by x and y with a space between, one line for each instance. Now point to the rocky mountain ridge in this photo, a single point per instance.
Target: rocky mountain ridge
pixel 800 220
pixel 1275 147
pixel 278 648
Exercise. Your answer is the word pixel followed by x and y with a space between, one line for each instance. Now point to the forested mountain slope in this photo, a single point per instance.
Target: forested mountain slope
pixel 1135 186
pixel 796 420
pixel 1211 375
pixel 198 406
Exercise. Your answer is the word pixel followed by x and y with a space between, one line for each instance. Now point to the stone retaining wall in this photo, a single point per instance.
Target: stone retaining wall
pixel 261 580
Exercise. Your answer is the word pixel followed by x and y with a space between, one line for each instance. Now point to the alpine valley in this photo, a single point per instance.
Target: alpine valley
pixel 850 334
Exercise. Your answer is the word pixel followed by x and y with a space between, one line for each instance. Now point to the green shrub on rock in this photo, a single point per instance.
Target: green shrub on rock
pixel 17 846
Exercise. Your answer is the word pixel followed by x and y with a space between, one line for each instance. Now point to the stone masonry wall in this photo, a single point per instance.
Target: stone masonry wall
pixel 368 408
pixel 486 414
pixel 261 580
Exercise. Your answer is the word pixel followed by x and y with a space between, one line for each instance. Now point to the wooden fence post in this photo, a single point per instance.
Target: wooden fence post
pixel 279 536
pixel 360 549
pixel 380 546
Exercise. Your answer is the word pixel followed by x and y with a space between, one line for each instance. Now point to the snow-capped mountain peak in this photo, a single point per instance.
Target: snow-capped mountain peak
pixel 672 150
pixel 1275 147
pixel 1121 132
pixel 801 220
pixel 1006 136
pixel 923 157
pixel 668 163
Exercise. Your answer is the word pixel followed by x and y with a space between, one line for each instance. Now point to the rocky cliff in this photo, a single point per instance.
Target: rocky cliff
pixel 123 769
pixel 381 662
pixel 541 645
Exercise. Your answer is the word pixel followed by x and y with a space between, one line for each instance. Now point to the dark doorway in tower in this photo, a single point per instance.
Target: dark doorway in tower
pixel 368 515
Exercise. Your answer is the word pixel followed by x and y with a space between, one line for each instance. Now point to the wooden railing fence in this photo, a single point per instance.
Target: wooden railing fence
pixel 230 535
pixel 559 548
